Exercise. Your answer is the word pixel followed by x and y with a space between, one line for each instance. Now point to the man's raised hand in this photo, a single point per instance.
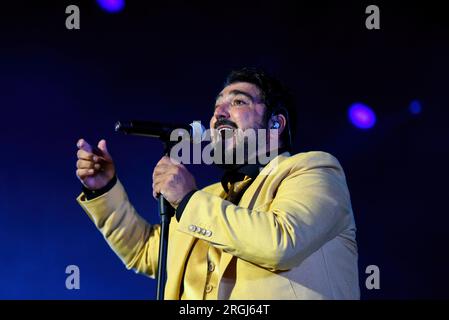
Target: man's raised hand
pixel 94 167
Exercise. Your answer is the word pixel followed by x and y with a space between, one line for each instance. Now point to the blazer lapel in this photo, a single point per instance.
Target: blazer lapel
pixel 249 199
pixel 251 195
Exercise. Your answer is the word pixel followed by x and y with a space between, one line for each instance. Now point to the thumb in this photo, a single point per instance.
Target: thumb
pixel 104 149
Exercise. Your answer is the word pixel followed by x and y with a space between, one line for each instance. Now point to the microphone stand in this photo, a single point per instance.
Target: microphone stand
pixel 166 211
pixel 163 246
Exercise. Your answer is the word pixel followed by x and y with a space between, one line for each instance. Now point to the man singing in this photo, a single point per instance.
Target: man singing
pixel 277 230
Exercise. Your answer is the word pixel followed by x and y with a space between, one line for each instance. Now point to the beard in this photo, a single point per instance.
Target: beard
pixel 235 148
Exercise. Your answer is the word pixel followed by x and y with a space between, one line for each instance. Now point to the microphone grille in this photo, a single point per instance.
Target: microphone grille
pixel 118 126
pixel 197 131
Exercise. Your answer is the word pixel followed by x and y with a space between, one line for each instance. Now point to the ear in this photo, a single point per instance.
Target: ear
pixel 279 122
pixel 274 135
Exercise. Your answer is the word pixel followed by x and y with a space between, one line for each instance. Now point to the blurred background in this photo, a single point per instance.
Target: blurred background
pixel 376 99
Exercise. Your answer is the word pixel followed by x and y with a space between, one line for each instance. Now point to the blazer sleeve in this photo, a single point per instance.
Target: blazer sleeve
pixel 311 206
pixel 134 240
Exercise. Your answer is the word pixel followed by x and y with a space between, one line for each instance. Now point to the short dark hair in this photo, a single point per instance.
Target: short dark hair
pixel 276 97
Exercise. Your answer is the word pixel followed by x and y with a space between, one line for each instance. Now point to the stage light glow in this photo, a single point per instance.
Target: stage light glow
pixel 415 107
pixel 111 5
pixel 361 116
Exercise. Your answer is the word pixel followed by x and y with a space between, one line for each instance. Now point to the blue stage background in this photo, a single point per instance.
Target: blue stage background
pixel 167 62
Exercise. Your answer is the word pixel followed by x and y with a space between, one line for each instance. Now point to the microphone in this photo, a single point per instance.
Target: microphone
pixel 160 130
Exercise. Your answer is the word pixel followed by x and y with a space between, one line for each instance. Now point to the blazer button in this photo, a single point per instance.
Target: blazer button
pixel 211 267
pixel 209 288
pixel 192 228
pixel 203 232
pixel 208 233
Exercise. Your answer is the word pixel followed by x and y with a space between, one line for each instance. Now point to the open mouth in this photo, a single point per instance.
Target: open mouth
pixel 225 131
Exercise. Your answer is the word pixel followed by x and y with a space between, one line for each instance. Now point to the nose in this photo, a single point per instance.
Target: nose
pixel 222 111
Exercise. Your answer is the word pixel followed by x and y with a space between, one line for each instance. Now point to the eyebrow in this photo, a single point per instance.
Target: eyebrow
pixel 236 92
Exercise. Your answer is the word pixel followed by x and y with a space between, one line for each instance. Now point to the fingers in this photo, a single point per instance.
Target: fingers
pixel 88 163
pixel 165 180
pixel 165 172
pixel 86 152
pixel 84 155
pixel 168 177
pixel 167 160
pixel 160 170
pixel 84 173
pixel 158 186
pixel 87 156
pixel 85 164
pixel 158 180
pixel 165 165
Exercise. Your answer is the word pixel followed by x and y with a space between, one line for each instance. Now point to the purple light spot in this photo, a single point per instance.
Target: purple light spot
pixel 361 116
pixel 415 107
pixel 112 5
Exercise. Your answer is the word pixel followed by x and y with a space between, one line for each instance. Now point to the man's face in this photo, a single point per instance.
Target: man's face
pixel 238 106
